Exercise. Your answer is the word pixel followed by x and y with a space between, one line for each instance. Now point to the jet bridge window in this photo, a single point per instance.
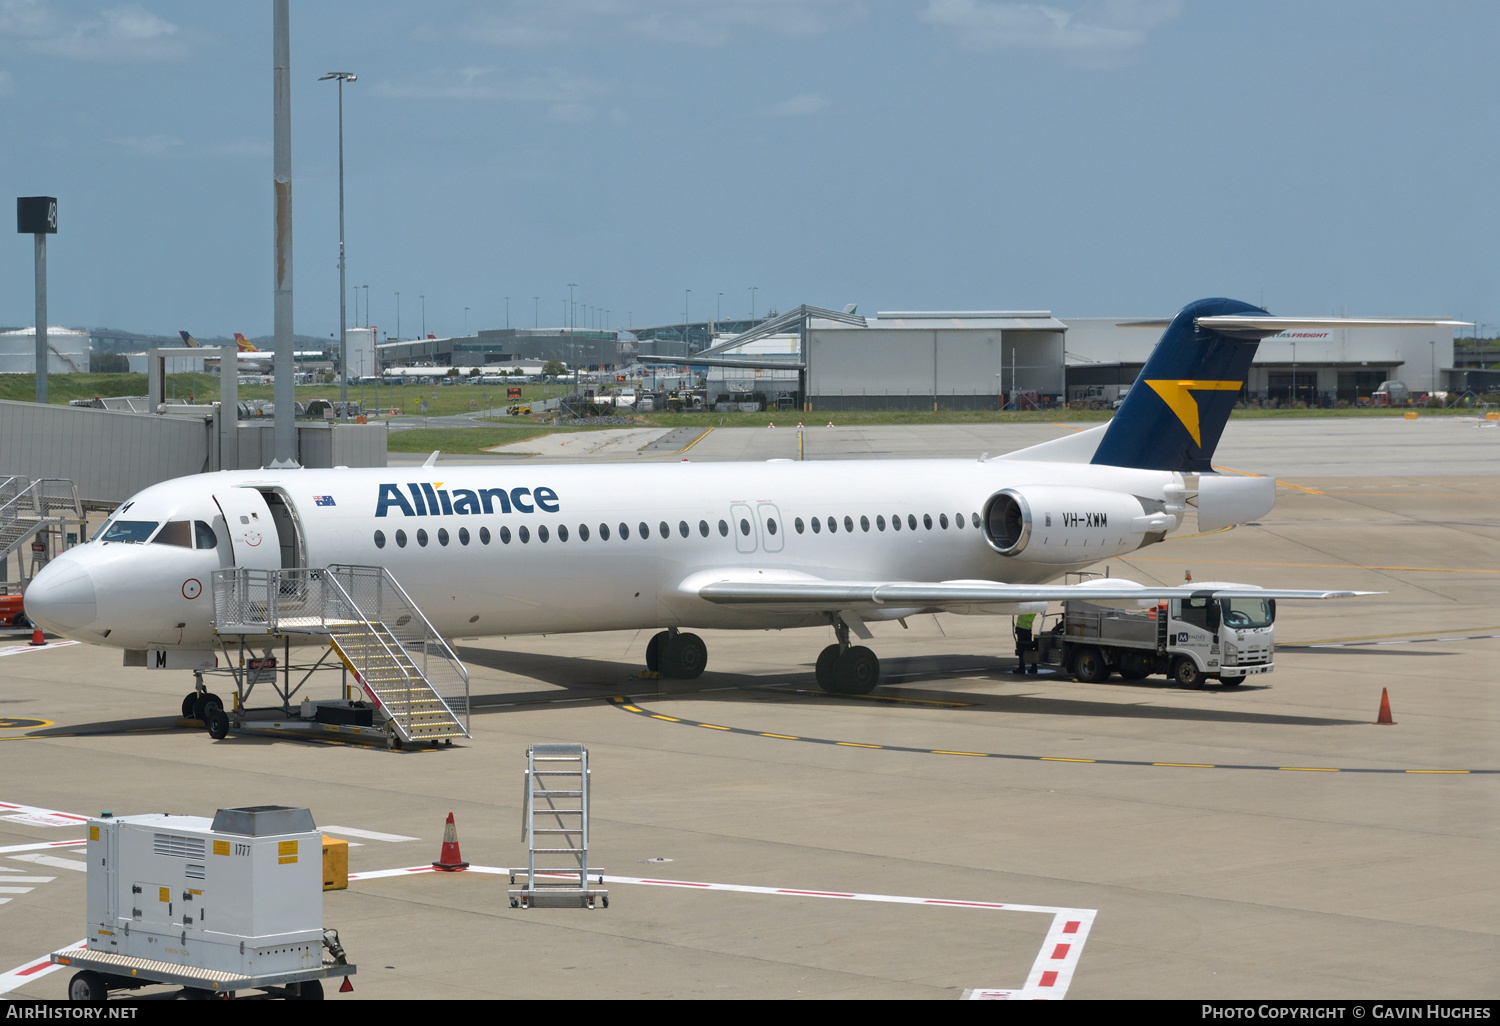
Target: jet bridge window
pixel 205 535
pixel 176 532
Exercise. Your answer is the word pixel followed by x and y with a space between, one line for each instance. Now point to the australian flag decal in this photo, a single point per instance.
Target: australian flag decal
pixel 323 500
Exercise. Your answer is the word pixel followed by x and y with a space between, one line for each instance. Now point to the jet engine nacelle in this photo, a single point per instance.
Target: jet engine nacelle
pixel 1054 524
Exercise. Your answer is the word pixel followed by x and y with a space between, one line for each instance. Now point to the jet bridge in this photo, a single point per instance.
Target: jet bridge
pixel 407 683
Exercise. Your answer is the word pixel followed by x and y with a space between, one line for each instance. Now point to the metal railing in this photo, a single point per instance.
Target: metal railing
pixel 336 599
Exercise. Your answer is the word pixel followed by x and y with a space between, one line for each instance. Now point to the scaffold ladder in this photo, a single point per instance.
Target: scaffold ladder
pixel 555 827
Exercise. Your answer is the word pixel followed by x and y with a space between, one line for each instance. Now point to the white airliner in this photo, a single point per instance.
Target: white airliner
pixel 536 548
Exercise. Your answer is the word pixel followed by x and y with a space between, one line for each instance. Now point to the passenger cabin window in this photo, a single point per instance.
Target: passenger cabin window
pixel 484 535
pixel 176 532
pixel 205 534
pixel 799 525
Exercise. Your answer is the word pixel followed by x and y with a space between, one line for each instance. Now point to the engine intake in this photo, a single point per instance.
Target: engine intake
pixel 1065 524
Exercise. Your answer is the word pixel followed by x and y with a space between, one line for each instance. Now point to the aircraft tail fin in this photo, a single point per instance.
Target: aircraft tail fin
pixel 246 346
pixel 1173 415
pixel 190 341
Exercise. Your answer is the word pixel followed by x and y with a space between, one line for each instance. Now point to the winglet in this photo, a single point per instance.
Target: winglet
pixel 432 460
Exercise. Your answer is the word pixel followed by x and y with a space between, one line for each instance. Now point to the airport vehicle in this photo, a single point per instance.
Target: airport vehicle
pixel 1392 393
pixel 214 906
pixel 674 546
pixel 1189 639
pixel 519 410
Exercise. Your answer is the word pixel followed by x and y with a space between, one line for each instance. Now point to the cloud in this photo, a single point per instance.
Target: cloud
pixel 690 22
pixel 800 106
pixel 1113 26
pixel 151 146
pixel 129 33
pixel 567 98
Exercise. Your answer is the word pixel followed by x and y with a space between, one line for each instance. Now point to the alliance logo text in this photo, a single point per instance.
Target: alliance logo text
pixel 430 500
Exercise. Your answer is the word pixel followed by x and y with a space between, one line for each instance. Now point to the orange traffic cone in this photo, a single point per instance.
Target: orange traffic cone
pixel 1385 710
pixel 450 861
pixel 346 987
pixel 37 637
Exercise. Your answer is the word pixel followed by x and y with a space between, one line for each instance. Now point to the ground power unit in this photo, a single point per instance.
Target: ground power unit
pixel 228 903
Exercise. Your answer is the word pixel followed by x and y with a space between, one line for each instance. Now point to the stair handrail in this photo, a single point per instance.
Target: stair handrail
pixel 402 720
pixel 48 500
pixel 449 662
pixel 11 509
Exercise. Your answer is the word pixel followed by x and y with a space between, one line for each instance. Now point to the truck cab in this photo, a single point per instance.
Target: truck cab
pixel 1190 640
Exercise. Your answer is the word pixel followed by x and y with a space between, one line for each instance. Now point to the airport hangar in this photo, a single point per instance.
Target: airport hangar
pixel 827 360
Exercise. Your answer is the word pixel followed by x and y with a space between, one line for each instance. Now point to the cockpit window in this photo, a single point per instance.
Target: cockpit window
pixel 205 534
pixel 128 531
pixel 176 532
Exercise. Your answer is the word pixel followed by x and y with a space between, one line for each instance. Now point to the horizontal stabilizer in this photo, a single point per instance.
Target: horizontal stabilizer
pixel 1263 326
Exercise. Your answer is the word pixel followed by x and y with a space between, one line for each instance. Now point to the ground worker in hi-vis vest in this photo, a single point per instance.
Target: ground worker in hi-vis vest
pixel 1024 642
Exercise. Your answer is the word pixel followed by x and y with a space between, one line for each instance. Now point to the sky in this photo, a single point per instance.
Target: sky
pixel 1108 158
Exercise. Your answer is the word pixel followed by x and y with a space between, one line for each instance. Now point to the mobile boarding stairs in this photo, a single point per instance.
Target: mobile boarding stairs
pixel 400 680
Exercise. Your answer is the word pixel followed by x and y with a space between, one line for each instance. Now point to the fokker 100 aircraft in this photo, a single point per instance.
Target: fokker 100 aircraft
pixel 538 548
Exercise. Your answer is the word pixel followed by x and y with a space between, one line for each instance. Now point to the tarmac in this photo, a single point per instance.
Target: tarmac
pixel 962 830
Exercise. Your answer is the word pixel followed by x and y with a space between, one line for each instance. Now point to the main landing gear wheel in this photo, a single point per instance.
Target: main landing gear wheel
pixel 827 669
pixel 202 702
pixel 654 649
pixel 1089 666
pixel 1187 674
pixel 684 657
pixel 217 722
pixel 87 986
pixel 858 671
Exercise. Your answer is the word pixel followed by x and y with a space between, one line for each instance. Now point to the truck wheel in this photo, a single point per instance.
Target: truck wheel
pixel 87 986
pixel 1089 666
pixel 1187 674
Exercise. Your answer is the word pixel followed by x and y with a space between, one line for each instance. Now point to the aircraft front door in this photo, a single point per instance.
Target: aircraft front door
pixel 742 526
pixel 252 530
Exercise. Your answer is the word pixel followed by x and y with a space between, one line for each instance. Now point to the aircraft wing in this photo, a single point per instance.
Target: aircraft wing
pixel 820 594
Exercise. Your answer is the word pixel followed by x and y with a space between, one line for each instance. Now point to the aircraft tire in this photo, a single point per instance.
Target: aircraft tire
pixel 217 722
pixel 202 702
pixel 686 658
pixel 858 671
pixel 190 706
pixel 827 669
pixel 654 649
pixel 1089 666
pixel 1187 674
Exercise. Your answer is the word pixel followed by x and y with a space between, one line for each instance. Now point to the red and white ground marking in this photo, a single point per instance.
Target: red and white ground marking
pixel 34 970
pixel 10 650
pixel 43 846
pixel 1050 975
pixel 33 816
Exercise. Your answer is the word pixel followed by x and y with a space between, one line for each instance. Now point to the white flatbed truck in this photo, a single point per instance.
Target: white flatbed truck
pixel 1189 640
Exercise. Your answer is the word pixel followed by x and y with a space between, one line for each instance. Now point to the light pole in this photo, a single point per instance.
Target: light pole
pixel 424 315
pixel 341 77
pixel 753 290
pixel 571 353
pixel 367 304
pixel 685 294
pixel 718 312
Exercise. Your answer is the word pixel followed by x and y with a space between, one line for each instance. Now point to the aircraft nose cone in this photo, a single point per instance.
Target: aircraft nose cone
pixel 61 597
